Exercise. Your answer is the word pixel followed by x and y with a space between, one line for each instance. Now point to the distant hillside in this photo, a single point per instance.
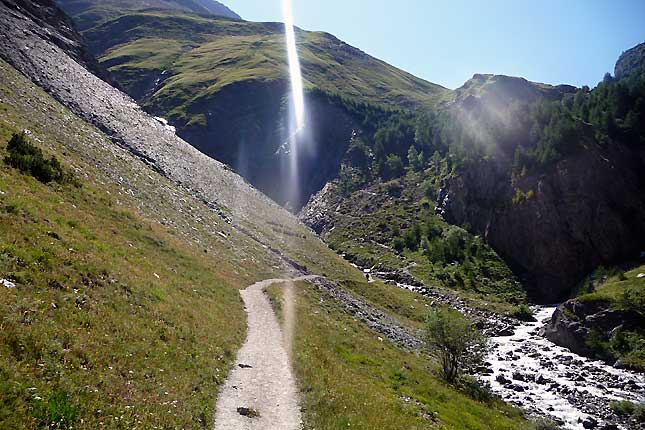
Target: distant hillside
pixel 213 77
pixel 87 13
pixel 549 177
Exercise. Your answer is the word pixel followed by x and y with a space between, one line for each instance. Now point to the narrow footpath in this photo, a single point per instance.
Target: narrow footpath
pixel 260 392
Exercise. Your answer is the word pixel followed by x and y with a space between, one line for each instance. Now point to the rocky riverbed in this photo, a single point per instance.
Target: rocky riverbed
pixel 540 377
pixel 546 380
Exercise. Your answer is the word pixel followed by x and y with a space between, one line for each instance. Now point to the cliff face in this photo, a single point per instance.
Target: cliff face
pixel 630 61
pixel 587 212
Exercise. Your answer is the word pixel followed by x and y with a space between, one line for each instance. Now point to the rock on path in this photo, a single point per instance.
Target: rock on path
pixel 261 382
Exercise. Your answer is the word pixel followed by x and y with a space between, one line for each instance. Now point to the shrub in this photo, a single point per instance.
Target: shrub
pixel 454 341
pixel 523 312
pixel 632 299
pixel 30 160
pixel 480 392
pixel 629 409
pixel 350 179
pixel 623 407
pixel 394 188
pixel 393 167
pixel 545 424
pixel 639 413
pixel 399 244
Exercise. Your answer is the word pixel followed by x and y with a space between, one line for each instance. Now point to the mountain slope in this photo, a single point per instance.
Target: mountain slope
pixel 119 294
pixel 549 177
pixel 111 278
pixel 86 13
pixel 213 77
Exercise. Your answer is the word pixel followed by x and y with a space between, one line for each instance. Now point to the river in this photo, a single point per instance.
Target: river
pixel 547 380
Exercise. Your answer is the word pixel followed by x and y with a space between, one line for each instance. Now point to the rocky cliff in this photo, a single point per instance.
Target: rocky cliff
pixel 585 213
pixel 630 61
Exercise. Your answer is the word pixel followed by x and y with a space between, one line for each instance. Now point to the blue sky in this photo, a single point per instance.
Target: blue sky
pixel 446 42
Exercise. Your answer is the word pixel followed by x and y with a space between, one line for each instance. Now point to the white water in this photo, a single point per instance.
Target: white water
pixel 528 353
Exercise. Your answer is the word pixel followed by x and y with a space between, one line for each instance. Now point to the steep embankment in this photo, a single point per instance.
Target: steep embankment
pixel 124 306
pixel 605 321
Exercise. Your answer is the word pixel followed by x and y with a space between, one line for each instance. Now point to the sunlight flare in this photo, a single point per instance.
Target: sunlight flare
pixel 294 67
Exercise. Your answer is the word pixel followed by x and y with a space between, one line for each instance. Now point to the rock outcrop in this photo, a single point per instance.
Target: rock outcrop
pixel 575 321
pixel 630 61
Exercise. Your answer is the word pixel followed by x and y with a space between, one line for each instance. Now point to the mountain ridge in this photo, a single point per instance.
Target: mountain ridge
pixel 87 13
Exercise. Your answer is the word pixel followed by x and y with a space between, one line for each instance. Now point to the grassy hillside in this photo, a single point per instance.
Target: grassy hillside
pixel 125 310
pixel 202 55
pixel 350 378
pixel 89 13
pixel 393 226
pixel 623 292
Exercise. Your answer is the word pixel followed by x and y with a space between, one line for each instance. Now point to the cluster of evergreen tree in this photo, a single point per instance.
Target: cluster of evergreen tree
pixel 534 135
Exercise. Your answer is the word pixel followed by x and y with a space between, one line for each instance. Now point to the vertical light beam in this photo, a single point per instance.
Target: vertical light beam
pixel 294 66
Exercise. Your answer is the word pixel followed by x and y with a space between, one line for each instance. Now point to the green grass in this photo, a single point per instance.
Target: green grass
pixel 350 379
pixel 204 55
pixel 126 311
pixel 369 223
pixel 622 292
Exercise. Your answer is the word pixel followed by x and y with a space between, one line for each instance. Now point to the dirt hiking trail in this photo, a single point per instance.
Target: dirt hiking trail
pixel 260 392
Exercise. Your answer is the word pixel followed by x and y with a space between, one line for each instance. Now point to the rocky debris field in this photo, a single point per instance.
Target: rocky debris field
pixel 375 319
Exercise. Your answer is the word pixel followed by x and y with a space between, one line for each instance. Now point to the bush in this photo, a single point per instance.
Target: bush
pixel 454 341
pixel 393 167
pixel 399 244
pixel 350 179
pixel 394 188
pixel 629 409
pixel 30 160
pixel 632 299
pixel 623 407
pixel 545 424
pixel 476 390
pixel 523 312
